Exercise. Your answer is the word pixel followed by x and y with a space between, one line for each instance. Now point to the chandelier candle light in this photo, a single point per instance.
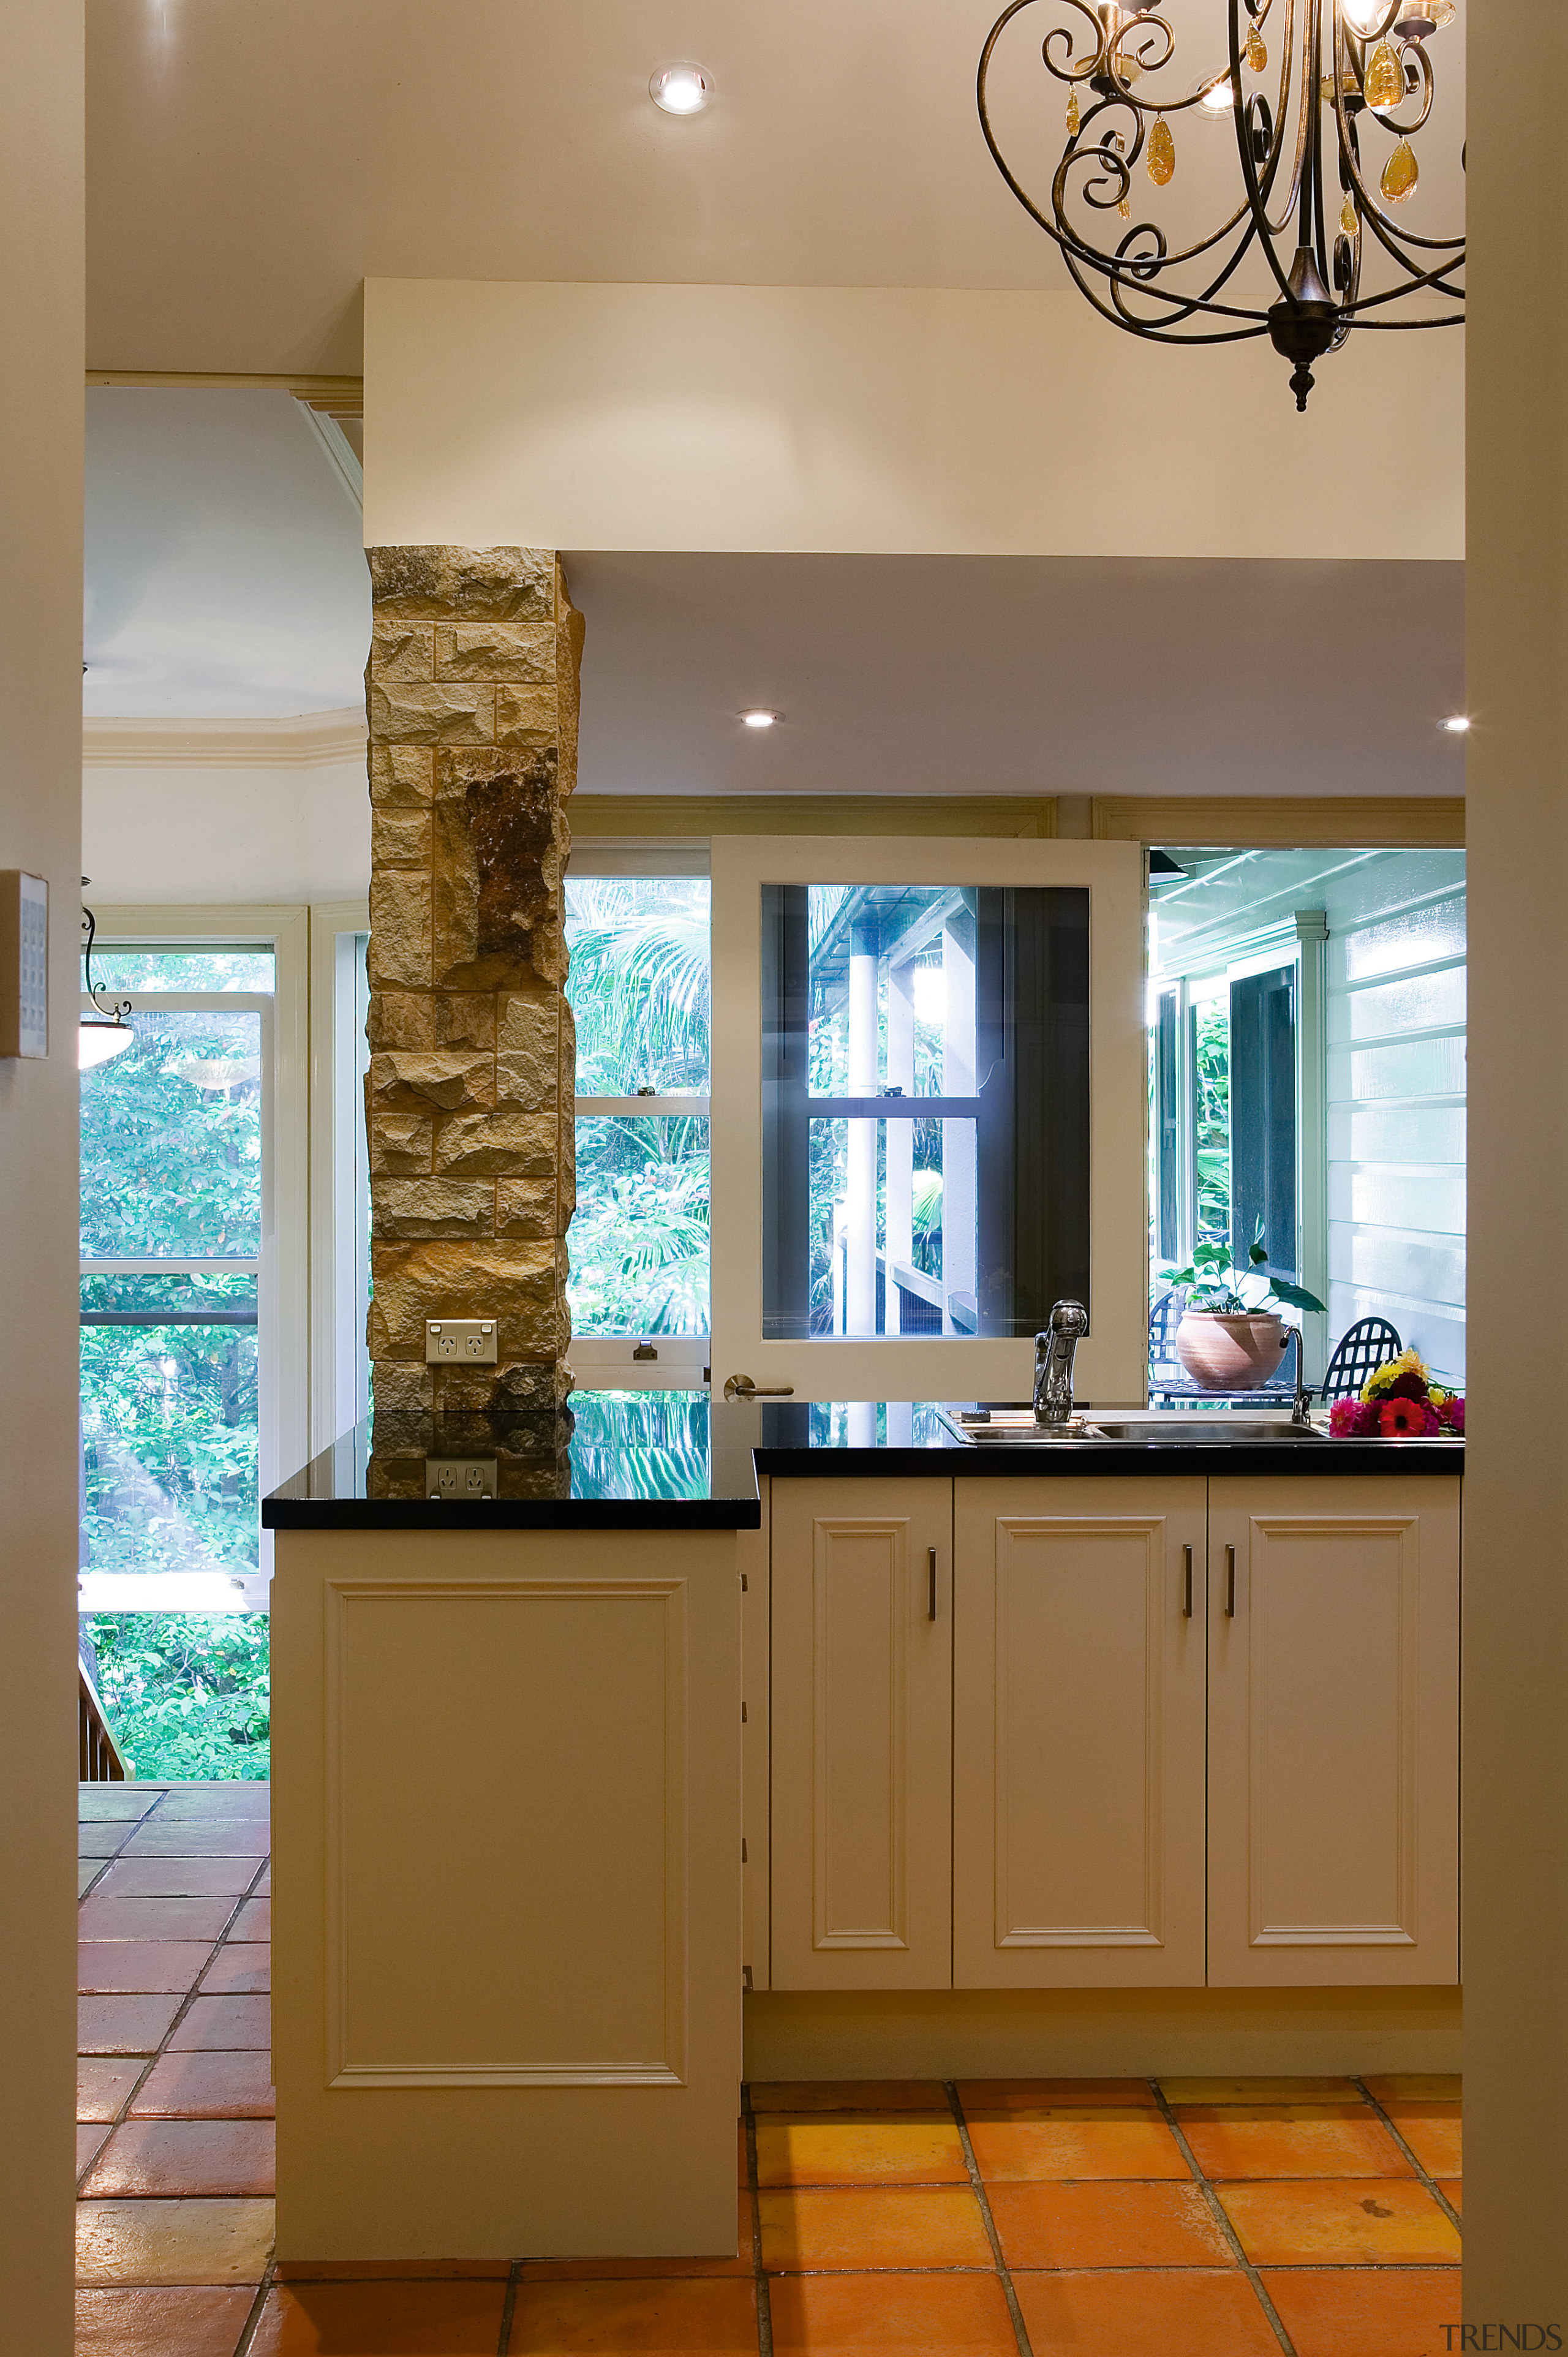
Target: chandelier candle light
pixel 1325 154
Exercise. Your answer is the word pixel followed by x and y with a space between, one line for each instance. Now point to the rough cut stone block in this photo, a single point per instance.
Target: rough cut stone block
pixel 402 650
pixel 524 650
pixel 499 851
pixel 528 1052
pixel 432 1207
pixel 518 1146
pixel 568 666
pixel 525 1207
pixel 400 838
pixel 456 1079
pixel 514 1283
pixel 403 1387
pixel 399 930
pixel 433 711
pixel 401 1019
pixel 496 585
pixel 526 716
pixel 401 776
pixel 465 1018
pixel 402 1143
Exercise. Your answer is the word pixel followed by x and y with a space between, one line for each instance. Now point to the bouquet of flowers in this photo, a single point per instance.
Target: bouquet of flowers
pixel 1399 1402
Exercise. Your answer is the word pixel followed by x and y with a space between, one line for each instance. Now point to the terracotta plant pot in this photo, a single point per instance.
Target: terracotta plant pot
pixel 1228 1353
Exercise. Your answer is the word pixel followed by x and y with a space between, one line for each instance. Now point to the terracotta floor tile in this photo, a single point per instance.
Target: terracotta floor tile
pixel 1073 2142
pixel 201 1837
pixel 153 1919
pixel 1178 2091
pixel 103 2084
pixel 241 1968
pixel 330 2271
pixel 100 1802
pixel 172 2241
pixel 1145 2314
pixel 101 1841
pixel 107 1967
pixel 235 1799
pixel 264 1888
pixel 850 2228
pixel 1108 2225
pixel 742 2160
pixel 205 2322
pixel 1433 2132
pixel 177 1877
pixel 87 1868
pixel 1042 2095
pixel 1417 2087
pixel 1453 2190
pixel 124 2025
pixel 897 2316
pixel 162 2158
pixel 244 2021
pixel 91 2137
pixel 618 2270
pixel 848 2095
pixel 214 2086
pixel 254 1920
pixel 847 2149
pixel 1345 2312
pixel 674 2317
pixel 1357 2221
pixel 1292 2140
pixel 382 2320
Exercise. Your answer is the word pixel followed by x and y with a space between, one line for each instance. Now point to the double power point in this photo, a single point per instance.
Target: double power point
pixel 460 1342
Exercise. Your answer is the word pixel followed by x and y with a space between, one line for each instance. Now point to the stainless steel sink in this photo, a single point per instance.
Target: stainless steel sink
pixel 1015 1428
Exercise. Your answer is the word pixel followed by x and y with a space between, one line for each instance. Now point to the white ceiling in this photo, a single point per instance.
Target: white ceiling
pixel 251 162
pixel 224 570
pixel 954 676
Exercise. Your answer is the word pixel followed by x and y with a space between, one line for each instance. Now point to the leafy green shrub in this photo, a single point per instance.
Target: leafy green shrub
pixel 186 1694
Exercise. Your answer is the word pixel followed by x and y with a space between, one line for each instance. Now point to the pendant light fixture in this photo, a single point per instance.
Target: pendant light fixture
pixel 106 1034
pixel 1325 159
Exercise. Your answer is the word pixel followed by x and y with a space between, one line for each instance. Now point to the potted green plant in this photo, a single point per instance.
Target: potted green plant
pixel 1230 1340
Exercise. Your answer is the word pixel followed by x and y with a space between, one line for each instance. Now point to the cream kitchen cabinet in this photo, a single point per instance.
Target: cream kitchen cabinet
pixel 1333 1730
pixel 861 1734
pixel 1078 1732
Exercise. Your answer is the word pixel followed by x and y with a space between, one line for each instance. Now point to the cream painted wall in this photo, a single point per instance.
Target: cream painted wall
pixel 893 419
pixel 152 837
pixel 40 699
pixel 1515 1497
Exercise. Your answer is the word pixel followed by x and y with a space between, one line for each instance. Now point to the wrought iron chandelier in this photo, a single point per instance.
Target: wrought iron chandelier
pixel 1351 89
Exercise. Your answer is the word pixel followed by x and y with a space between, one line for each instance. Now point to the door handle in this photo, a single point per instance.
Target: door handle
pixel 1186 1583
pixel 1229 1583
pixel 741 1387
pixel 931 1589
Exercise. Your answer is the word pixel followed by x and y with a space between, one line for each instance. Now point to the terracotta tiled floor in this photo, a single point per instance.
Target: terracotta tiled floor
pixel 1028 2217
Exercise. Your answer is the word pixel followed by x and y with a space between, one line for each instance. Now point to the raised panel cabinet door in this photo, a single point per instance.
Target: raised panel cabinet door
pixel 752 1555
pixel 1334 1730
pixel 1078 1733
pixel 861 1724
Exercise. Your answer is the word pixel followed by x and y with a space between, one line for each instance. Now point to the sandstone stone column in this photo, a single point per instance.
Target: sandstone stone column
pixel 472 694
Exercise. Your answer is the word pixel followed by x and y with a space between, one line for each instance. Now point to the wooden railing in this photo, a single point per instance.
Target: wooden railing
pixel 98 1754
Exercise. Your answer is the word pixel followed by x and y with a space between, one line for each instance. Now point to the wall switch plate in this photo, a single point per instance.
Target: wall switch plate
pixel 460 1477
pixel 24 963
pixel 460 1342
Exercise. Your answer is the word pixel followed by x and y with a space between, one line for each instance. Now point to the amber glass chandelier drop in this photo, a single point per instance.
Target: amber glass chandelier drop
pixel 1311 225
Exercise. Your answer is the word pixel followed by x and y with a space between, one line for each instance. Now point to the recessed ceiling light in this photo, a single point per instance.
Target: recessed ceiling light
pixel 760 719
pixel 681 88
pixel 1456 723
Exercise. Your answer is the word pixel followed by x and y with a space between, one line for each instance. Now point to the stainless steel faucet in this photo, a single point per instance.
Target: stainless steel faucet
pixel 1054 1352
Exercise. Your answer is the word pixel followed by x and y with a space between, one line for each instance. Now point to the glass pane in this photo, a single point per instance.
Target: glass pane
pixel 186 1694
pixel 925 1108
pixel 227 1297
pixel 640 1445
pixel 171 1140
pixel 155 969
pixel 1211 1058
pixel 168 1438
pixel 639 1239
pixel 639 984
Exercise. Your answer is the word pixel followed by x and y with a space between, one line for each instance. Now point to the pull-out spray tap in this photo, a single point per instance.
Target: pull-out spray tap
pixel 1054 1352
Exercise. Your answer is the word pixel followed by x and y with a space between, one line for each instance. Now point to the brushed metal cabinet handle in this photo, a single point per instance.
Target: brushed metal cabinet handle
pixel 1229 1583
pixel 1186 1568
pixel 931 1589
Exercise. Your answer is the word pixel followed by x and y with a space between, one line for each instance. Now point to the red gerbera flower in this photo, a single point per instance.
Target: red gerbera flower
pixel 1406 1419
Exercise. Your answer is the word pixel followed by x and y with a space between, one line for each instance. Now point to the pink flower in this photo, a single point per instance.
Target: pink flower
pixel 1352 1419
pixel 1406 1419
pixel 1451 1416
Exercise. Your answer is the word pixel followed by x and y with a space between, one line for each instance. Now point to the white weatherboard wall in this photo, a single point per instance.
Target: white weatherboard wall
pixel 1396 1009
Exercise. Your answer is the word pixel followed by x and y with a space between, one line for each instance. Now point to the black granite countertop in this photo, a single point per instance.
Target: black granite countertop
pixel 676 1461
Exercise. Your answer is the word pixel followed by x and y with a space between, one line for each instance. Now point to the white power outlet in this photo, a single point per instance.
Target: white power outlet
pixel 460 1477
pixel 460 1342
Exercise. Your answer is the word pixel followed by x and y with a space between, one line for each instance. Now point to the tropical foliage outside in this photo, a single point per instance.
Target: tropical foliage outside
pixel 186 1694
